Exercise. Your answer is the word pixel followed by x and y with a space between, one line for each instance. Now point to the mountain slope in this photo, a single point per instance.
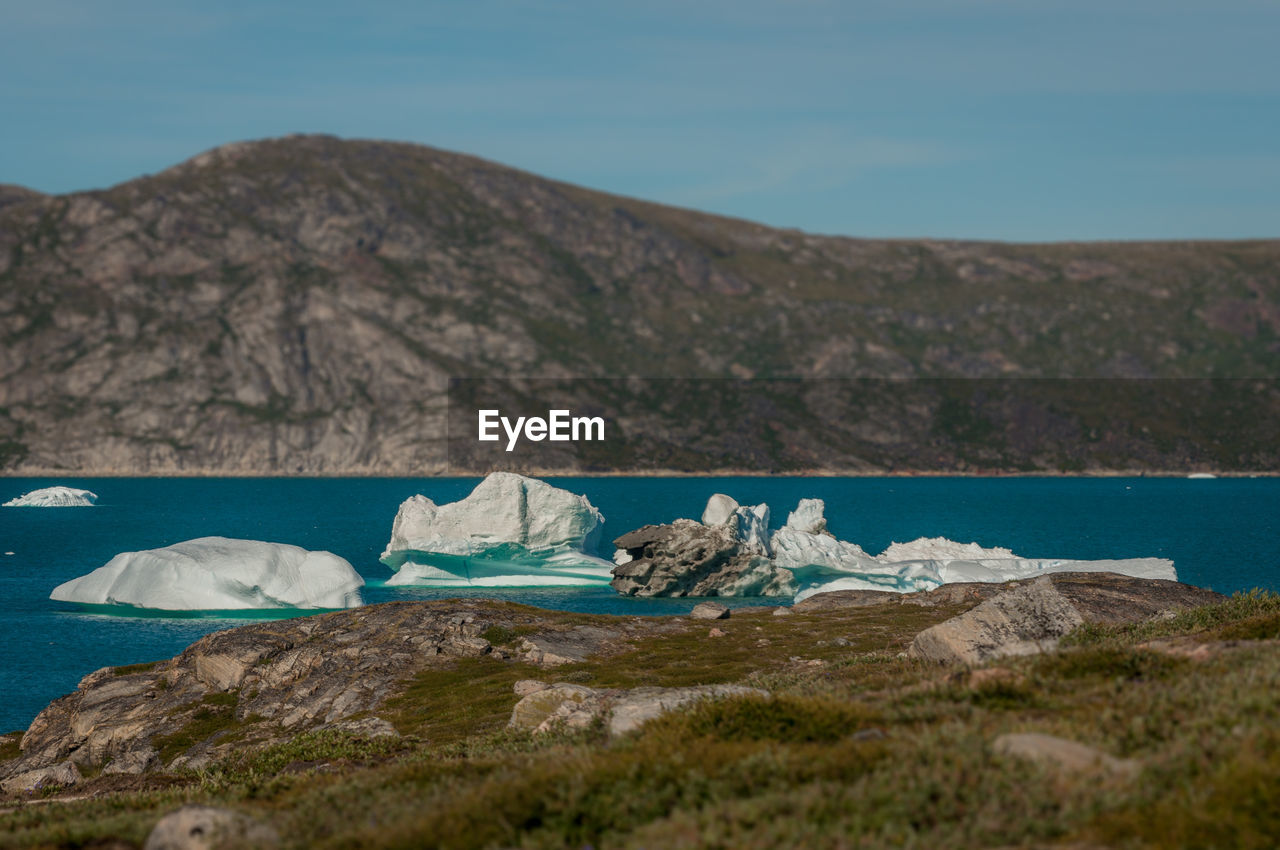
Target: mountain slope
pixel 298 305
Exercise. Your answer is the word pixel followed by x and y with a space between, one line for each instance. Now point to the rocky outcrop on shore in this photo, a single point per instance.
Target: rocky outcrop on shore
pixel 261 683
pixel 265 683
pixel 1031 616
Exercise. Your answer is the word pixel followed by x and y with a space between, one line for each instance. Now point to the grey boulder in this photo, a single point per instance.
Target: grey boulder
pixel 1032 616
pixel 568 706
pixel 687 558
pixel 709 611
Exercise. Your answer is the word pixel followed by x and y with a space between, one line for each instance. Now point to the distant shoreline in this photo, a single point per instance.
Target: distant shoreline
pixel 562 473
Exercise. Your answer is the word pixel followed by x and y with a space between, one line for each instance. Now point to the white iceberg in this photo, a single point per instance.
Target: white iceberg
pixel 719 508
pixel 54 497
pixel 820 562
pixel 749 524
pixel 805 547
pixel 908 576
pixel 219 574
pixel 511 531
pixel 940 549
pixel 809 517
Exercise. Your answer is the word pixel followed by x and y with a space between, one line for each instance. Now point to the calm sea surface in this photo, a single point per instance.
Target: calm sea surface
pixel 1223 534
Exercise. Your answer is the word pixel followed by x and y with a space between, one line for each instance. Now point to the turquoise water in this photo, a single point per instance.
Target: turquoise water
pixel 1223 534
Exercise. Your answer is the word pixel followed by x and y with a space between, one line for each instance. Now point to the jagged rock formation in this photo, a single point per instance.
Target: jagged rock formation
pixel 687 558
pixel 299 304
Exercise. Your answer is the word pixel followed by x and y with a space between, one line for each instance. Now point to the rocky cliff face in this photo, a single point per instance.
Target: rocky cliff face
pixel 298 305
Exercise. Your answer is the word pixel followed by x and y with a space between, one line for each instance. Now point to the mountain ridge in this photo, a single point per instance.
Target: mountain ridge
pixel 298 305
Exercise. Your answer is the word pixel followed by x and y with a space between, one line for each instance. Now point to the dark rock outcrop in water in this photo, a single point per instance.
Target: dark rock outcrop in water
pixel 299 304
pixel 1030 616
pixel 687 558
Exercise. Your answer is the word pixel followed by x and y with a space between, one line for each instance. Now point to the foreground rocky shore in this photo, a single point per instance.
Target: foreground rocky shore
pixel 1068 676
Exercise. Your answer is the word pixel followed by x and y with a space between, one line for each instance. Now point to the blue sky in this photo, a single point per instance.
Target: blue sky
pixel 990 119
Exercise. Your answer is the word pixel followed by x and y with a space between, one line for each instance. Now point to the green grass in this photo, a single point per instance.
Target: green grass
pixel 10 746
pixel 472 697
pixel 1258 627
pixel 215 714
pixel 499 635
pixel 326 746
pixel 129 669
pixel 783 718
pixel 1108 662
pixel 1251 606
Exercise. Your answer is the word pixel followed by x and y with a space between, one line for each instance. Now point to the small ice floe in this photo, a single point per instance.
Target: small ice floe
pixel 54 497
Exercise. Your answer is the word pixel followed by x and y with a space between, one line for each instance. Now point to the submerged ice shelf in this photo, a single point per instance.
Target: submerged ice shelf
pixel 54 497
pixel 511 531
pixel 490 569
pixel 219 574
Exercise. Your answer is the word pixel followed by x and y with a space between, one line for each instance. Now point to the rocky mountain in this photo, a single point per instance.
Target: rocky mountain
pixel 299 305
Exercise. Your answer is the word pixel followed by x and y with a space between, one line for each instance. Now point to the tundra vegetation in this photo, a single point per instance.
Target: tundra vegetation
pixel 857 746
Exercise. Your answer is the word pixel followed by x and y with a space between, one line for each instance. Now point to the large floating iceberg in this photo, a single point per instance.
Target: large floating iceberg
pixel 820 562
pixel 219 574
pixel 54 497
pixel 511 531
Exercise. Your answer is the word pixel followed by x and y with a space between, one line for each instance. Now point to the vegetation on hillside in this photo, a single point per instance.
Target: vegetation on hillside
pixel 300 304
